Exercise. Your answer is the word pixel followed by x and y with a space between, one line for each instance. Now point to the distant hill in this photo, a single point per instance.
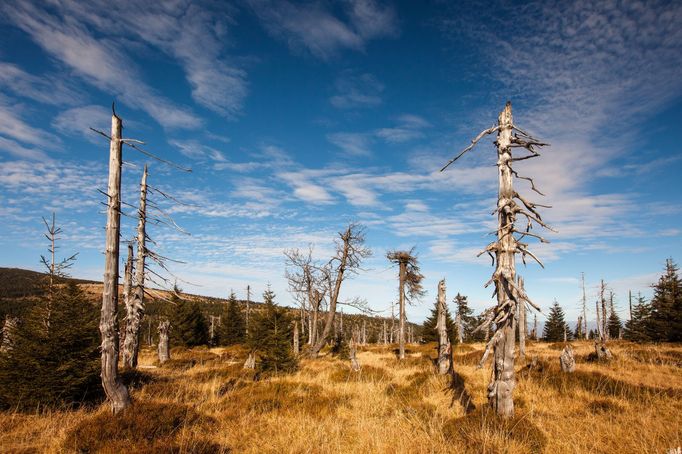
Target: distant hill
pixel 20 283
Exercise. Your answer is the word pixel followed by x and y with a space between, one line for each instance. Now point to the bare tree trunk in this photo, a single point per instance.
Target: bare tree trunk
pixel 604 318
pixel 164 341
pixel 354 364
pixel 127 288
pixel 443 343
pixel 115 391
pixel 401 302
pixel 8 328
pixel 134 319
pixel 599 326
pixel 385 334
pixel 296 338
pixel 582 275
pixel 248 307
pixel 567 360
pixel 522 323
pixel 364 332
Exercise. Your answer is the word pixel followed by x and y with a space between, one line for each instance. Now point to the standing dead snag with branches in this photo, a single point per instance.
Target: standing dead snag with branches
pixel 306 283
pixel 350 251
pixel 410 276
pixel 116 391
pixel 509 294
pixel 444 352
pixel 135 308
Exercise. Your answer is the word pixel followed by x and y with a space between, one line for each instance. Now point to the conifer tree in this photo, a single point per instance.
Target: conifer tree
pixel 270 336
pixel 614 325
pixel 469 321
pixel 556 324
pixel 637 329
pixel 666 305
pixel 56 365
pixel 188 322
pixel 232 326
pixel 429 332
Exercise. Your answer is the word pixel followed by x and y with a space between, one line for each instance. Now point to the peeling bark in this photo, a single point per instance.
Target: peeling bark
pixel 567 360
pixel 296 350
pixel 115 390
pixel 250 362
pixel 443 343
pixel 164 341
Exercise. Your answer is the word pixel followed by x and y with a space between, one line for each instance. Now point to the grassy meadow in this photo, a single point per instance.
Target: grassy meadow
pixel 203 401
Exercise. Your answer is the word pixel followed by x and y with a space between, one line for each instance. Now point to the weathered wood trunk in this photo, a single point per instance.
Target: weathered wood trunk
pixel 131 346
pixel 115 391
pixel 128 287
pixel 9 326
pixel 604 318
pixel 443 364
pixel 522 323
pixel 603 353
pixel 385 335
pixel 250 362
pixel 164 341
pixel 354 364
pixel 567 360
pixel 401 301
pixel 296 350
pixel 502 384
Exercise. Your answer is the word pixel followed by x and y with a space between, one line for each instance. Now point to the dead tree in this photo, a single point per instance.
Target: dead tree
pixel 584 301
pixel 385 334
pixel 522 322
pixel 306 283
pixel 600 349
pixel 567 359
pixel 296 350
pixel 604 317
pixel 408 276
pixel 135 310
pixel 115 390
pixel 510 204
pixel 250 362
pixel 354 364
pixel 248 307
pixel 350 251
pixel 164 341
pixel 443 362
pixel 9 327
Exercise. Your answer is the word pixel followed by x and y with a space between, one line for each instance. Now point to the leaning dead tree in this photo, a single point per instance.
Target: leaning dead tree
pixel 510 204
pixel 409 287
pixel 444 352
pixel 350 251
pixel 116 391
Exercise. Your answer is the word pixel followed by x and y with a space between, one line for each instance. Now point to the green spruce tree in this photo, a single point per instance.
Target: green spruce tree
pixel 55 359
pixel 270 337
pixel 556 325
pixel 232 326
pixel 429 332
pixel 613 323
pixel 469 321
pixel 188 324
pixel 637 329
pixel 666 319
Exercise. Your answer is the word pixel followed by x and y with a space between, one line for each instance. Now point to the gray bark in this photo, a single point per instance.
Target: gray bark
pixel 8 328
pixel 567 360
pixel 443 364
pixel 401 302
pixel 114 389
pixel 354 364
pixel 250 362
pixel 522 323
pixel 603 353
pixel 128 286
pixel 131 346
pixel 164 341
pixel 296 350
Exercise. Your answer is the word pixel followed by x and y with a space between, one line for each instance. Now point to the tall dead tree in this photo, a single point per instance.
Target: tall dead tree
pixel 135 310
pixel 604 317
pixel 115 390
pixel 306 283
pixel 164 341
pixel 522 322
pixel 510 204
pixel 443 362
pixel 248 307
pixel 296 349
pixel 584 301
pixel 409 287
pixel 350 251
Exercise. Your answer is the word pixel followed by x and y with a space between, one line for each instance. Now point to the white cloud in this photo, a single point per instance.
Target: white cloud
pixel 354 144
pixel 355 90
pixel 314 28
pixel 79 120
pixel 44 89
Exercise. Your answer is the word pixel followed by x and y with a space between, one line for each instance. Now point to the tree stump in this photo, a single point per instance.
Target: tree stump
pixel 567 360
pixel 250 362
pixel 354 364
pixel 603 353
pixel 164 343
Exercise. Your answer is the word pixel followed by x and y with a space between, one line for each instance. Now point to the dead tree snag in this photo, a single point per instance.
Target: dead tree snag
pixel 443 362
pixel 164 341
pixel 510 204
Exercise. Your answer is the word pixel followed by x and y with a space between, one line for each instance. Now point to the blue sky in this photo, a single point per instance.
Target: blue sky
pixel 297 118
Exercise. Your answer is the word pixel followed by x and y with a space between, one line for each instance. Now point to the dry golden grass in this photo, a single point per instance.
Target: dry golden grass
pixel 204 402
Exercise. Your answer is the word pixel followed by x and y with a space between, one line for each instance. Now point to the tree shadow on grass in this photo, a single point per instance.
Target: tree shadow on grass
pixel 459 392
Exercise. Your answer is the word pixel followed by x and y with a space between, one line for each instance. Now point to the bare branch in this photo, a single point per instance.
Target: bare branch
pixel 482 134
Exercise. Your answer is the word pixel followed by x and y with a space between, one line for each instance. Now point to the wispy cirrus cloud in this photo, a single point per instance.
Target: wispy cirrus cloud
pixel 316 29
pixel 100 61
pixel 355 90
pixel 79 120
pixel 46 89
